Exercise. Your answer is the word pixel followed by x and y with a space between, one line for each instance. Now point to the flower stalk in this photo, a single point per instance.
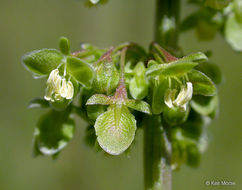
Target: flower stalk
pixel 157 147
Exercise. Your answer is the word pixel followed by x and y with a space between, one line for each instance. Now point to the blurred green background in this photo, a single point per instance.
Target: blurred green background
pixel 27 25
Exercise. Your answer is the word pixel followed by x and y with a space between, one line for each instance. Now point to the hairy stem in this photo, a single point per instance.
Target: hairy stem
pixel 157 148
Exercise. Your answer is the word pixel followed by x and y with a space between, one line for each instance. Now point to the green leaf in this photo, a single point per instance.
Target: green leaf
pixel 205 105
pixel 64 46
pixel 193 156
pixel 217 4
pixel 158 92
pixel 176 68
pixel 42 62
pixel 100 99
pixel 54 130
pixel 38 103
pixel 90 136
pixel 107 77
pixel 81 71
pixel 233 31
pixel 237 5
pixel 195 57
pixel 138 105
pixel 138 86
pixel 202 84
pixel 93 111
pixel 211 70
pixel 193 127
pixel 115 129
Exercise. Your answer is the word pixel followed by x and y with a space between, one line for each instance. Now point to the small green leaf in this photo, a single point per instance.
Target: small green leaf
pixel 54 130
pixel 38 103
pixel 205 105
pixel 211 70
pixel 195 57
pixel 193 156
pixel 64 46
pixel 217 4
pixel 237 5
pixel 159 88
pixel 176 68
pixel 42 62
pixel 233 31
pixel 90 136
pixel 115 129
pixel 80 70
pixel 93 111
pixel 107 77
pixel 202 84
pixel 138 105
pixel 138 86
pixel 100 99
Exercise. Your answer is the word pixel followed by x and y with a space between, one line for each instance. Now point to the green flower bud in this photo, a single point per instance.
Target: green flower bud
pixel 107 77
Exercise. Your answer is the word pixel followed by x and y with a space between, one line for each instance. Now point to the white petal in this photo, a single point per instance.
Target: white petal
pixel 70 90
pixel 180 97
pixel 168 98
pixel 54 73
pixel 63 89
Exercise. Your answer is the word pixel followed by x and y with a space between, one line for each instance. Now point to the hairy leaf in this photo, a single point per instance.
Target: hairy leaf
pixel 115 129
pixel 80 70
pixel 138 86
pixel 202 84
pixel 205 105
pixel 159 87
pixel 42 62
pixel 38 103
pixel 176 68
pixel 99 99
pixel 54 130
pixel 138 105
pixel 64 46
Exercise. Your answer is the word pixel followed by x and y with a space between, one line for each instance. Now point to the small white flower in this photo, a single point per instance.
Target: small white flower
pixel 58 88
pixel 182 99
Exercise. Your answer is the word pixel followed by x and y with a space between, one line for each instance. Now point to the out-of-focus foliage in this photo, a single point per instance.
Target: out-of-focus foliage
pixel 217 16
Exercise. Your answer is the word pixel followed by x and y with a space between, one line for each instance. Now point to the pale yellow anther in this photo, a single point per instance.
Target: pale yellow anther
pixel 63 90
pixel 58 87
pixel 70 90
pixel 184 96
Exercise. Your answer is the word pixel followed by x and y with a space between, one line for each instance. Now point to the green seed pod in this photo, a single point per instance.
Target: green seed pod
pixel 107 77
pixel 175 115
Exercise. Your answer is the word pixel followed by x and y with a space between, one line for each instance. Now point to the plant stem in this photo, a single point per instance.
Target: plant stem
pixel 166 23
pixel 156 155
pixel 157 148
